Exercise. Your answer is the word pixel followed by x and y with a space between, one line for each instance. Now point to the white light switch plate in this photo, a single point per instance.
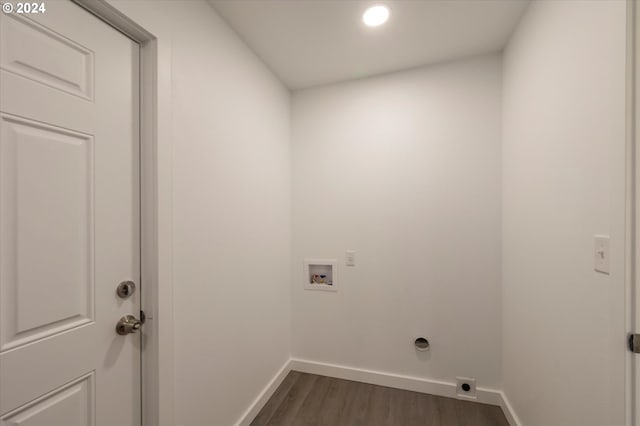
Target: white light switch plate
pixel 601 254
pixel 350 258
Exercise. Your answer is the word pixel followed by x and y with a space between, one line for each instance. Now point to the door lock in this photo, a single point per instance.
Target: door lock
pixel 128 324
pixel 125 289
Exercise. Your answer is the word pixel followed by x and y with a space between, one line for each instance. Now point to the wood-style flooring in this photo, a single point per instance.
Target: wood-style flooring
pixel 307 399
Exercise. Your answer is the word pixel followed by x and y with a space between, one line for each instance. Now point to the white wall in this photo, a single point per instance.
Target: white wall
pixel 231 212
pixel 405 169
pixel 563 174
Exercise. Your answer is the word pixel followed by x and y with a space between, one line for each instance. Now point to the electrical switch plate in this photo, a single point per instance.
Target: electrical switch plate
pixel 350 258
pixel 601 254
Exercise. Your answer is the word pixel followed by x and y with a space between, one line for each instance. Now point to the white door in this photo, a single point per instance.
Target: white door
pixel 69 219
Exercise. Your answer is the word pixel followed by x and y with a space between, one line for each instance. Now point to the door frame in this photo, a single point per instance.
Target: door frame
pixel 632 230
pixel 155 212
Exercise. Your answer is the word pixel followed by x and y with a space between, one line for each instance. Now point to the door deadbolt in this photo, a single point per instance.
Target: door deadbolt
pixel 126 289
pixel 128 324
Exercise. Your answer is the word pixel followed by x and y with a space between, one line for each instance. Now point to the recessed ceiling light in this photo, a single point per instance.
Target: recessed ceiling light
pixel 376 15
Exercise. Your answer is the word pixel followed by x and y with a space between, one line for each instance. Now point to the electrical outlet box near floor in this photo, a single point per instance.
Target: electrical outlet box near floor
pixel 466 387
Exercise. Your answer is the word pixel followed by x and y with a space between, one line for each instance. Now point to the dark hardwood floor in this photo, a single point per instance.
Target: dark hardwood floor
pixel 306 399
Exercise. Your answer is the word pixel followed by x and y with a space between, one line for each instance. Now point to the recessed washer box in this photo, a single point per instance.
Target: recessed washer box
pixel 321 274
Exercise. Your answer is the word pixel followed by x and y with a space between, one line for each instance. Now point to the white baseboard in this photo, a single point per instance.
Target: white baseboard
pixel 508 410
pixel 416 384
pixel 264 396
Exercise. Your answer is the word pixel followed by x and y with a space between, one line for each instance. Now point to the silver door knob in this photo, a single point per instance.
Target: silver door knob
pixel 128 324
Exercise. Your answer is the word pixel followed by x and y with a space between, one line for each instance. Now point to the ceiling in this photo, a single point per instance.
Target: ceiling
pixel 314 42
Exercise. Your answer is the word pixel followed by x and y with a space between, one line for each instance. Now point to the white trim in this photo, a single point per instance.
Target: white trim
pixel 398 381
pixel 434 387
pixel 116 19
pixel 264 396
pixel 508 410
pixel 632 301
pixel 158 402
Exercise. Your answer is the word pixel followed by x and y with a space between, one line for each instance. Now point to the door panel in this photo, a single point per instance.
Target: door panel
pixel 38 163
pixel 71 404
pixel 33 51
pixel 69 220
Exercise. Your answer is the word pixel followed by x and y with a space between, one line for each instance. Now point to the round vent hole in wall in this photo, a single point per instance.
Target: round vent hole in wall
pixel 422 344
